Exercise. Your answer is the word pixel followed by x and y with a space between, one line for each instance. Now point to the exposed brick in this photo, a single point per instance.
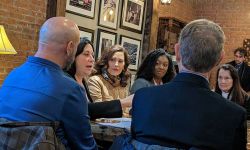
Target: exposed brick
pixel 231 15
pixel 21 20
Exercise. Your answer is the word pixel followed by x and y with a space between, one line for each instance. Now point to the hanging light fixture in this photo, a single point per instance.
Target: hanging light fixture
pixel 5 45
pixel 165 1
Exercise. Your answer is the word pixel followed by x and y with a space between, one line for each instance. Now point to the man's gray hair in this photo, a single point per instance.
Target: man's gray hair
pixel 201 43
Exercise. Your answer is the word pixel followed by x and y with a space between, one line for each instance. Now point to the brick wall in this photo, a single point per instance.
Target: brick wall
pixel 233 17
pixel 21 20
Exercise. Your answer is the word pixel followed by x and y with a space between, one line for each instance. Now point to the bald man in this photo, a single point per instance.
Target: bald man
pixel 39 91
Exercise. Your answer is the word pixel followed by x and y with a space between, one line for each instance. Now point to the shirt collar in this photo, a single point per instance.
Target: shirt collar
pixel 39 60
pixel 184 70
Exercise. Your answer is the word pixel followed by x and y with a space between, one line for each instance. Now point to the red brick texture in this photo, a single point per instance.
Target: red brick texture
pixel 21 20
pixel 233 16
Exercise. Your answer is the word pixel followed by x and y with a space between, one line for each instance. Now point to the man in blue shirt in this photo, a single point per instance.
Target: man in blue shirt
pixel 39 91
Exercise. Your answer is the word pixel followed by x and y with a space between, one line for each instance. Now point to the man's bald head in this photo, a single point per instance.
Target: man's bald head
pixel 58 30
pixel 58 41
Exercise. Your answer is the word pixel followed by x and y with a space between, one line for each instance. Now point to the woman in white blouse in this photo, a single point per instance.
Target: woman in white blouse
pixel 228 85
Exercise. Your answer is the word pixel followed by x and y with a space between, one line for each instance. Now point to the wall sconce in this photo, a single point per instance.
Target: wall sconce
pixel 5 45
pixel 165 2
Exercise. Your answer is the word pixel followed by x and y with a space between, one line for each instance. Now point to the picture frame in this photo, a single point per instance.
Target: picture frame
pixel 105 39
pixel 132 15
pixel 85 8
pixel 87 33
pixel 133 46
pixel 108 13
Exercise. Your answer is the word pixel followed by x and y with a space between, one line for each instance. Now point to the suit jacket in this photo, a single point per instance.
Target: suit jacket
pixel 244 75
pixel 185 113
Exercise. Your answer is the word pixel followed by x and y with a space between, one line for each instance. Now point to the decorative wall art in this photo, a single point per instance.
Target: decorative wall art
pixel 81 7
pixel 86 33
pixel 132 15
pixel 108 13
pixel 133 47
pixel 105 39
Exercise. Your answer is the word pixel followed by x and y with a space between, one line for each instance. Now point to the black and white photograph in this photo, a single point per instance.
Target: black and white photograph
pixel 81 7
pixel 108 13
pixel 133 48
pixel 86 33
pixel 105 40
pixel 132 15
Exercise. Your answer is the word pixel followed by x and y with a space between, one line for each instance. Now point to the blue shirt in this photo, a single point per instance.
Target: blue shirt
pixel 38 90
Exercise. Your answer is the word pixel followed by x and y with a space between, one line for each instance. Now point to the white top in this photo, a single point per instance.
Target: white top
pixel 224 94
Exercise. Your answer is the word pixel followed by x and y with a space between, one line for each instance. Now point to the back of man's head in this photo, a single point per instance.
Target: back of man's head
pixel 58 30
pixel 58 40
pixel 201 44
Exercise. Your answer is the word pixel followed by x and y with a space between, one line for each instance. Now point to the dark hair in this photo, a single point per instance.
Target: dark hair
pixel 147 68
pixel 83 42
pixel 241 50
pixel 236 91
pixel 107 55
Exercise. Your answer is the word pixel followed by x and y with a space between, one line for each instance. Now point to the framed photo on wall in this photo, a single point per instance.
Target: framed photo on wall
pixel 133 47
pixel 132 15
pixel 105 40
pixel 84 8
pixel 86 33
pixel 108 13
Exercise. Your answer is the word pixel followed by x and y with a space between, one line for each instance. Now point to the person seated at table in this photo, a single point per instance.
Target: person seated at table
pixel 80 70
pixel 185 113
pixel 39 91
pixel 156 69
pixel 228 86
pixel 112 76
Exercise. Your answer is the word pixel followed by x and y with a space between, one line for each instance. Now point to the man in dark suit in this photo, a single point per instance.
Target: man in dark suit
pixel 185 113
pixel 243 69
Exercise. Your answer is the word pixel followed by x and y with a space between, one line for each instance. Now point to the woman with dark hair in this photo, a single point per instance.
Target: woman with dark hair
pixel 228 86
pixel 80 70
pixel 156 69
pixel 111 78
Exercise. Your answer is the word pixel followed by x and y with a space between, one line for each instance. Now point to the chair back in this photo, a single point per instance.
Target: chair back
pixel 29 135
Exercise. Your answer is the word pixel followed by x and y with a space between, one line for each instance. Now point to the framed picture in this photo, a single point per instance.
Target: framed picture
pixel 132 15
pixel 105 40
pixel 133 47
pixel 84 8
pixel 108 13
pixel 87 33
